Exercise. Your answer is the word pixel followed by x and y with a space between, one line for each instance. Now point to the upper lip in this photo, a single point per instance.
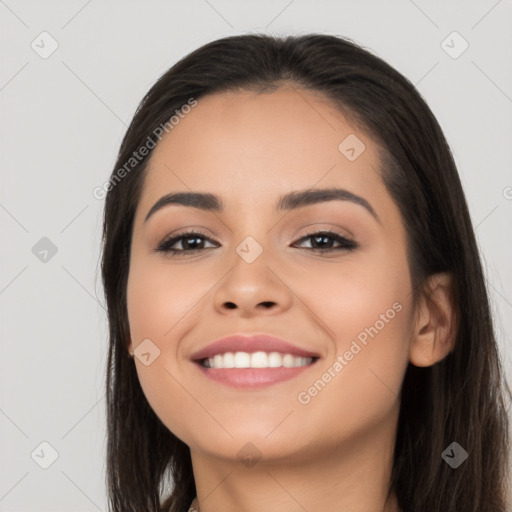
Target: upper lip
pixel 250 344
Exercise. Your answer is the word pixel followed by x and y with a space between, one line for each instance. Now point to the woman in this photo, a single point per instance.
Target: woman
pixel 298 314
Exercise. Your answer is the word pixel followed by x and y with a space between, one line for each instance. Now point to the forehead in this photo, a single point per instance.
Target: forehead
pixel 256 145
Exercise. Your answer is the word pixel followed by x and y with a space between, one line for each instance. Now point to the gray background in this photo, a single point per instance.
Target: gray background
pixel 62 121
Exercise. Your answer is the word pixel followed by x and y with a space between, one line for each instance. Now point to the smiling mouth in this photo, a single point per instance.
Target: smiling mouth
pixel 255 360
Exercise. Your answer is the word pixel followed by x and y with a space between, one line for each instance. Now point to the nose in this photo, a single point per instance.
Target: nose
pixel 252 289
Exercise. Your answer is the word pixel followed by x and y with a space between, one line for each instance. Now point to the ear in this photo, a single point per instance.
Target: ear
pixel 436 324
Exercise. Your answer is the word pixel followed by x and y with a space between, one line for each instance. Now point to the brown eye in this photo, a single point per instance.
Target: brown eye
pixel 323 241
pixel 190 241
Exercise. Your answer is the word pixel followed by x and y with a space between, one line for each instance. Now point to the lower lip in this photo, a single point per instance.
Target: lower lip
pixel 252 378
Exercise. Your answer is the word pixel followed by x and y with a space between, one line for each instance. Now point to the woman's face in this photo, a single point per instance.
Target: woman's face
pixel 258 268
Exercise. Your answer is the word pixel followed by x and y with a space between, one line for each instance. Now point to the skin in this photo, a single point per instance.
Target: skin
pixel 336 450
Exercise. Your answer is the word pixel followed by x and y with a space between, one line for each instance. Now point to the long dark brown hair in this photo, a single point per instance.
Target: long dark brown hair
pixel 463 398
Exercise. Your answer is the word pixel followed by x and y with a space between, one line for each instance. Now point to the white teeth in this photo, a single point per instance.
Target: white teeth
pixel 256 360
pixel 275 360
pixel 289 361
pixel 242 360
pixel 259 360
pixel 228 360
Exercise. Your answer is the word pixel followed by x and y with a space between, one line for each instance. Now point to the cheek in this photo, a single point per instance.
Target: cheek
pixel 161 308
pixel 367 308
pixel 365 305
pixel 359 292
pixel 157 299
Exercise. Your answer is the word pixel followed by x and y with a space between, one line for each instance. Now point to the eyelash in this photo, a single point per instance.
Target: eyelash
pixel 346 244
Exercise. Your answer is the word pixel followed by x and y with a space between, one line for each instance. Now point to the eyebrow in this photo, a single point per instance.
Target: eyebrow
pixel 290 201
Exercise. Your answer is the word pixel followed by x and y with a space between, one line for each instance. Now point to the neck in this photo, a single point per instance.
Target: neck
pixel 355 476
